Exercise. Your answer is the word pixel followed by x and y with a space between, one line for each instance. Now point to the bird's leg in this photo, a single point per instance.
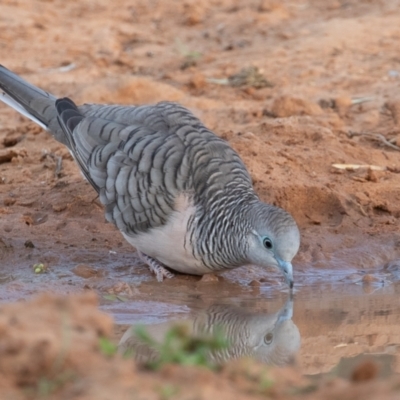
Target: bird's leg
pixel 157 268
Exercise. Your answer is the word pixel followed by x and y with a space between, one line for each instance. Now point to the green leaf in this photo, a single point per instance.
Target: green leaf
pixel 110 297
pixel 107 347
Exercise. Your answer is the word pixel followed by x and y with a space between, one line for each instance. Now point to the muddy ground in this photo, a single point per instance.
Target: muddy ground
pixel 295 87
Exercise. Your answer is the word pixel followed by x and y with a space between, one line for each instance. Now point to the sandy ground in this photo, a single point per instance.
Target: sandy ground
pixel 295 87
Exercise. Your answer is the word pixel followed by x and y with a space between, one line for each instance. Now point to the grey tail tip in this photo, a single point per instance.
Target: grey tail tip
pixel 291 284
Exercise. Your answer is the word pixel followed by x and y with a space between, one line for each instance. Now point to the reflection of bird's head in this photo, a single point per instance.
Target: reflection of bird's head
pixel 280 344
pixel 282 341
pixel 270 338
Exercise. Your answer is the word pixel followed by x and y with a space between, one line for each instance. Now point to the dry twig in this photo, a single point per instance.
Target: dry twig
pixel 375 136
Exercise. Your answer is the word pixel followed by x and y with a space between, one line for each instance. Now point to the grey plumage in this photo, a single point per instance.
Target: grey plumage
pixel 177 192
pixel 270 338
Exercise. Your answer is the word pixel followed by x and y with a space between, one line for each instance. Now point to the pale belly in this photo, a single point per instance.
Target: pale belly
pixel 167 243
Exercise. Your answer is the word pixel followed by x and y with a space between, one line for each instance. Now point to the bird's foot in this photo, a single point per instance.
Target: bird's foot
pixel 157 268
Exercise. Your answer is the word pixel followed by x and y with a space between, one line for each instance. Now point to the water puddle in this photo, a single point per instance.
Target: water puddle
pixel 324 328
pixel 335 315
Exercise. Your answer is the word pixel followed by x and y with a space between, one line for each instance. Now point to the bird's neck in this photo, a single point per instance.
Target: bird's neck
pixel 221 227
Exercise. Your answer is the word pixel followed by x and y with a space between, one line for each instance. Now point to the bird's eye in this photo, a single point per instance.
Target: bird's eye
pixel 267 243
pixel 268 338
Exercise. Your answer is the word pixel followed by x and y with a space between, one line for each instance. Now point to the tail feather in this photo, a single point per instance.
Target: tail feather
pixel 30 101
pixel 7 99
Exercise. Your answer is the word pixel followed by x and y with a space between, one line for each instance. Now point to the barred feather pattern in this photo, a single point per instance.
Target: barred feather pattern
pixel 245 333
pixel 234 323
pixel 141 175
pixel 219 228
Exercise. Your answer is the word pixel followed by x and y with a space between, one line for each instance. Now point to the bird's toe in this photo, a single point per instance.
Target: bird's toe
pixel 157 268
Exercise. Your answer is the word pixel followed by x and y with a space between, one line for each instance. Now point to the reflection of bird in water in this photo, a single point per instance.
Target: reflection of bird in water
pixel 270 338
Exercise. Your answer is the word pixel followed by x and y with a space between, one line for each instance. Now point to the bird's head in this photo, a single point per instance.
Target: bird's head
pixel 273 239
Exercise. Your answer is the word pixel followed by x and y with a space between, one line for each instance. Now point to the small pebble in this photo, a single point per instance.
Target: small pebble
pixel 29 245
pixel 209 278
pixel 369 279
pixel 270 281
pixel 365 371
pixel 59 207
pixel 8 228
pixel 86 271
pixel 343 102
pixel 372 176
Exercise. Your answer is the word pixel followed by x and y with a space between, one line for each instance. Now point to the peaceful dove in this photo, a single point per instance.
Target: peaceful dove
pixel 271 338
pixel 177 192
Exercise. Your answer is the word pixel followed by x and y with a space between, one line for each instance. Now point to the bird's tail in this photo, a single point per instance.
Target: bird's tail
pixel 30 101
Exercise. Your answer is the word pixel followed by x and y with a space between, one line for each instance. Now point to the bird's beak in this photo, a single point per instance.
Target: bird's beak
pixel 286 313
pixel 287 270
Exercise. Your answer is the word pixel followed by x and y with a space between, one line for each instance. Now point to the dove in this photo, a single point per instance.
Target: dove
pixel 271 338
pixel 177 192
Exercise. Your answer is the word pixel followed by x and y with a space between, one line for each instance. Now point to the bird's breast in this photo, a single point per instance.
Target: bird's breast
pixel 170 243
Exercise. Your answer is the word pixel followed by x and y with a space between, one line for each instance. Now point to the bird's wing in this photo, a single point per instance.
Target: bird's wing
pixel 135 163
pixel 164 116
